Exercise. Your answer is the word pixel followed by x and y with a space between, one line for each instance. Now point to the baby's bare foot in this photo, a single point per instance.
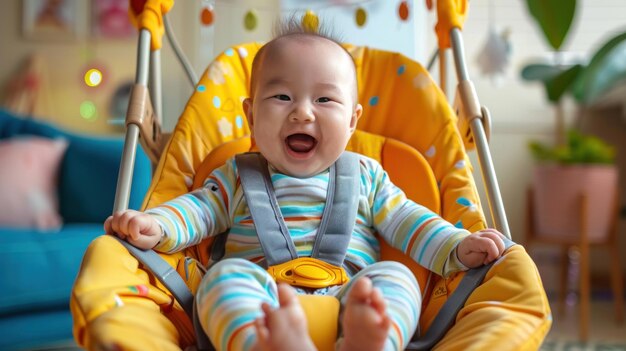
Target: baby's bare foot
pixel 283 328
pixel 365 322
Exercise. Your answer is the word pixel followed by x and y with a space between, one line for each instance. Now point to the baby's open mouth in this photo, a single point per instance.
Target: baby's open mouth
pixel 301 143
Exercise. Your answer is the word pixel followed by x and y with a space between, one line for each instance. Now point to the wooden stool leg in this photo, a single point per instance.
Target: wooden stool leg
pixel 585 288
pixel 617 284
pixel 563 273
pixel 617 279
pixel 585 293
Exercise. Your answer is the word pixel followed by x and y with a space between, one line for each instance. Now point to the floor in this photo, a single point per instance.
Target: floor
pixel 604 333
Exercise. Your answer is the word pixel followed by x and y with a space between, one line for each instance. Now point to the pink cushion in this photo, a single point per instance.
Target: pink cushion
pixel 29 170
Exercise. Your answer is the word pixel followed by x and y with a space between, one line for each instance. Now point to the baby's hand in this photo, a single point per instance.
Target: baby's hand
pixel 137 228
pixel 480 248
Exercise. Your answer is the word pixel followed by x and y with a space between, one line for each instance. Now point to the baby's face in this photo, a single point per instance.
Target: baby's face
pixel 303 109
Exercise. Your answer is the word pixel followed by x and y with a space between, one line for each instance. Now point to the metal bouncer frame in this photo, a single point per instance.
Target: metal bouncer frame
pixel 144 118
pixel 143 124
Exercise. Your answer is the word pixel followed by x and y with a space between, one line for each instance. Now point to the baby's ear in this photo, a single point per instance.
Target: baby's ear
pixel 356 114
pixel 247 110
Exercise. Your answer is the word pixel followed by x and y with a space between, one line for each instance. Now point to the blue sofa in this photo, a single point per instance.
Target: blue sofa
pixel 38 269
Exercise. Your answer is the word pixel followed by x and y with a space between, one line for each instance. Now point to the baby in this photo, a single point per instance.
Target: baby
pixel 302 111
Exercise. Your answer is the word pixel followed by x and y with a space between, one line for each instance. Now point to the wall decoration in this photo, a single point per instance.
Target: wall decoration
pixel 495 56
pixel 207 15
pixel 310 21
pixel 50 19
pixel 403 11
pixel 110 19
pixel 251 20
pixel 360 17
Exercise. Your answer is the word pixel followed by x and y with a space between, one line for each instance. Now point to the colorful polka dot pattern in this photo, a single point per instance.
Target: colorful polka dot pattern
pixel 218 72
pixel 431 151
pixel 374 101
pixel 466 203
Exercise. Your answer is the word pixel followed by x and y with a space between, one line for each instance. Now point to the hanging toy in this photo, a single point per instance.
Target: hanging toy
pixel 403 10
pixel 250 21
pixel 495 56
pixel 310 22
pixel 360 17
pixel 207 16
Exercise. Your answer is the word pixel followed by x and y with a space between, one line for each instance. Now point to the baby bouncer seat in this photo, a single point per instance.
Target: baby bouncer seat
pixel 119 302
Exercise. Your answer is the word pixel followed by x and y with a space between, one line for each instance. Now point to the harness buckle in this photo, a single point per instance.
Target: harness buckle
pixel 308 272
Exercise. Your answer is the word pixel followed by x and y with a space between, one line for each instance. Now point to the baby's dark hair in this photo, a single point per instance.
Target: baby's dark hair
pixel 293 25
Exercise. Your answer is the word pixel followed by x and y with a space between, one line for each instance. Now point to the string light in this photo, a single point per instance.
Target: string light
pixel 88 110
pixel 93 77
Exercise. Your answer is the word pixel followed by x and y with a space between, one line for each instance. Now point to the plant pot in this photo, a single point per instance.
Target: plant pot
pixel 557 195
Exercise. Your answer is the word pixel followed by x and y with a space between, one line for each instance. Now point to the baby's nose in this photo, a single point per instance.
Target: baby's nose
pixel 302 113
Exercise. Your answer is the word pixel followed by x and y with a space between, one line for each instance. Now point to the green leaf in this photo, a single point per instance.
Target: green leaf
pixel 579 149
pixel 556 79
pixel 605 69
pixel 554 17
pixel 540 71
pixel 559 84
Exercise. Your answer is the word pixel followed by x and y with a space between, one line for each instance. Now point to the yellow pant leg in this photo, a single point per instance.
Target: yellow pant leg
pixel 509 311
pixel 118 306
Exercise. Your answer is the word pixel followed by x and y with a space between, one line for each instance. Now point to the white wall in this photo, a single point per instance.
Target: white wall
pixel 383 28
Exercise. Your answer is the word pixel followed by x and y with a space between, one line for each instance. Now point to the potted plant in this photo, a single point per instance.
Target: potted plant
pixel 573 164
pixel 583 165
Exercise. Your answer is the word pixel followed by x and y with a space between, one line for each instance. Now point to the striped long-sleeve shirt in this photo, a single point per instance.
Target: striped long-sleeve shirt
pixel 220 205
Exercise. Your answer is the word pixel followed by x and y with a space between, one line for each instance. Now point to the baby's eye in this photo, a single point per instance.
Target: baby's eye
pixel 323 99
pixel 282 97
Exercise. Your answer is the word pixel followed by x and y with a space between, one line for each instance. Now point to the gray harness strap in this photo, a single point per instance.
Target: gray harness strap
pixel 268 220
pixel 338 217
pixel 165 273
